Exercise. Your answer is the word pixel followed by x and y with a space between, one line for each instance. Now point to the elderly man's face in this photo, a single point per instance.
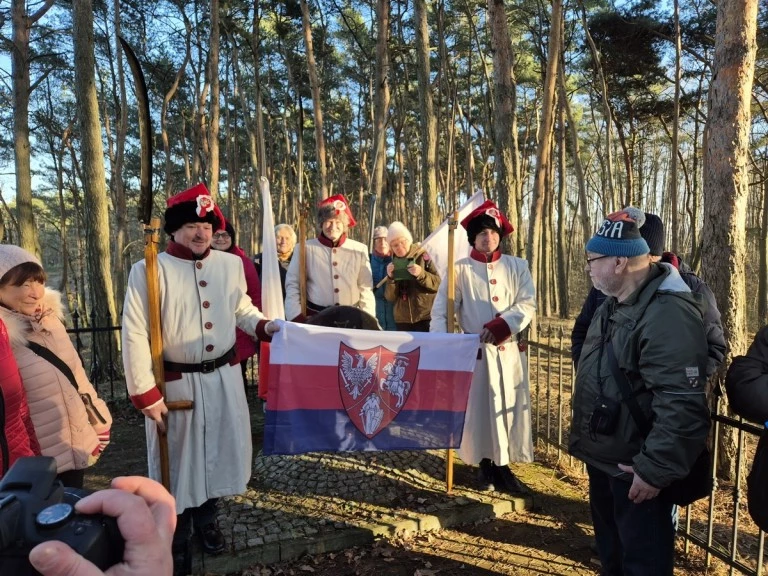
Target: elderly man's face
pixel 284 240
pixel 333 229
pixel 602 272
pixel 195 235
pixel 487 241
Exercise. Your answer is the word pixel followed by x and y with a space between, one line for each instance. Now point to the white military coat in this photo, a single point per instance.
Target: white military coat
pixel 498 420
pixel 335 275
pixel 201 302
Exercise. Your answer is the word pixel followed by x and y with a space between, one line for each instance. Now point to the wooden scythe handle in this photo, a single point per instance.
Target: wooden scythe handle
pixel 151 240
pixel 302 260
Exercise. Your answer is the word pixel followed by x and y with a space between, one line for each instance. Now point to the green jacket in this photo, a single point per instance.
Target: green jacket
pixel 413 298
pixel 660 342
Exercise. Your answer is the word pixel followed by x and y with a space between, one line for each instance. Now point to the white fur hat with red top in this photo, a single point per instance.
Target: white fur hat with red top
pixel 192 205
pixel 335 207
pixel 487 215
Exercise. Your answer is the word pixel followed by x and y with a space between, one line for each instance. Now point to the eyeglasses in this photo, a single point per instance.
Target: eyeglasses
pixel 590 260
pixel 221 236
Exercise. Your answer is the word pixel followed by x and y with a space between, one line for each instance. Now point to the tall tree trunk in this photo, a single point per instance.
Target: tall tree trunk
pixel 381 99
pixel 169 183
pixel 544 151
pixel 428 119
pixel 673 186
pixel 762 286
pixel 95 202
pixel 607 114
pixel 22 24
pixel 118 184
pixel 726 180
pixel 214 106
pixel 562 228
pixel 317 106
pixel 504 111
pixel 578 169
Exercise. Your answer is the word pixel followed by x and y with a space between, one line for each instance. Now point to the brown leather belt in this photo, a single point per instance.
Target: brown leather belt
pixel 206 366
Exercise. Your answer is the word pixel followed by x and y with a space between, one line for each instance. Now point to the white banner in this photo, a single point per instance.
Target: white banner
pixel 436 243
pixel 271 292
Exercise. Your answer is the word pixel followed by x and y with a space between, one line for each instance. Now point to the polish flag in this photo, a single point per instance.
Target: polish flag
pixel 335 389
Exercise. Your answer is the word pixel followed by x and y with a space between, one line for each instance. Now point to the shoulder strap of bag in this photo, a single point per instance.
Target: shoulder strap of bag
pixel 46 354
pixel 622 381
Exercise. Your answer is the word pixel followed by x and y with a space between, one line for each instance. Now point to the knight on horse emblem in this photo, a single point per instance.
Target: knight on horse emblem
pixel 394 383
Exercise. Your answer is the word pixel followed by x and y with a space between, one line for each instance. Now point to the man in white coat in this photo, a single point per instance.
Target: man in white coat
pixel 202 299
pixel 495 298
pixel 337 268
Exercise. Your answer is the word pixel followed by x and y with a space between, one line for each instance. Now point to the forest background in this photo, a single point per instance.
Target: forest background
pixel 559 111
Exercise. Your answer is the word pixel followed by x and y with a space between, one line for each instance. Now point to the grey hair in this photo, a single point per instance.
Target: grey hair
pixel 287 227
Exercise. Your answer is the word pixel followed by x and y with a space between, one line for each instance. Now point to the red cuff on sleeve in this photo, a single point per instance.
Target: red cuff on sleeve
pixel 499 328
pixel 261 331
pixel 147 399
pixel 300 319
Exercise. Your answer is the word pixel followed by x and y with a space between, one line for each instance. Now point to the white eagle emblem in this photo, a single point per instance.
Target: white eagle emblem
pixel 357 377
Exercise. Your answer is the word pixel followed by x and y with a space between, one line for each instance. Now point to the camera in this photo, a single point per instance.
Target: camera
pixel 35 507
pixel 605 416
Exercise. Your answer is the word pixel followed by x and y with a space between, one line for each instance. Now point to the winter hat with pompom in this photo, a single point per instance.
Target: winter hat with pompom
pixel 619 234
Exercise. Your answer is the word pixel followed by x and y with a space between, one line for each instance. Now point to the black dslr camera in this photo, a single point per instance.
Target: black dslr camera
pixel 35 507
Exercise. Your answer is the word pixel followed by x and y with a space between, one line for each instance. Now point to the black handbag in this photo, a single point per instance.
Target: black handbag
pixel 698 483
pixel 757 484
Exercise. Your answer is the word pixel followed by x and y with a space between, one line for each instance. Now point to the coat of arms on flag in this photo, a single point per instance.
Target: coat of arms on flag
pixel 375 385
pixel 334 389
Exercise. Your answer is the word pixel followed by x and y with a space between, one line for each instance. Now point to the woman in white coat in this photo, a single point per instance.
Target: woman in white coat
pixel 495 298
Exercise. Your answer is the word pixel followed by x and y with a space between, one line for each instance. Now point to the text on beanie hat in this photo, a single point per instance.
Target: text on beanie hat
pixel 619 234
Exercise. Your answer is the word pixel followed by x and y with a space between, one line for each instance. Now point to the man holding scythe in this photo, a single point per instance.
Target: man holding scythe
pixel 202 298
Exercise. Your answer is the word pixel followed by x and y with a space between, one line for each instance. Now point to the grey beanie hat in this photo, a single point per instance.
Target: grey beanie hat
pixel 11 256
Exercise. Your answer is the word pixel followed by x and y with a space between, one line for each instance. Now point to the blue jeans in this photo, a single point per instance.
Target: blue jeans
pixel 632 539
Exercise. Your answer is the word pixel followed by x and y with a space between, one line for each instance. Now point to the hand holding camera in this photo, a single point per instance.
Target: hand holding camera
pixel 55 531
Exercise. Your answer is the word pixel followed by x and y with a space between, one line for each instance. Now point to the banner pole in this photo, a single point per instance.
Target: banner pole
pixel 450 312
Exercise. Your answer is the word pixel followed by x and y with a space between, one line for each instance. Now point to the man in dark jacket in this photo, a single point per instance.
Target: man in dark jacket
pixel 747 381
pixel 653 233
pixel 651 325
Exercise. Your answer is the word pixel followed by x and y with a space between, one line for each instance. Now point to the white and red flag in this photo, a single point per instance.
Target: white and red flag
pixel 334 389
pixel 436 244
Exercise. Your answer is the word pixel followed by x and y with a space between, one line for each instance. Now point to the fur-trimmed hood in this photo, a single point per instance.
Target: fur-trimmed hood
pixel 19 325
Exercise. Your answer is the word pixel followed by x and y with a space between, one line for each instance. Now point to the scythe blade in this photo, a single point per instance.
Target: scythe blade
pixel 145 133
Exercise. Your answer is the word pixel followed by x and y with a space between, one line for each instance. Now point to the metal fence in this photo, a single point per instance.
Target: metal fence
pixel 106 374
pixel 720 526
